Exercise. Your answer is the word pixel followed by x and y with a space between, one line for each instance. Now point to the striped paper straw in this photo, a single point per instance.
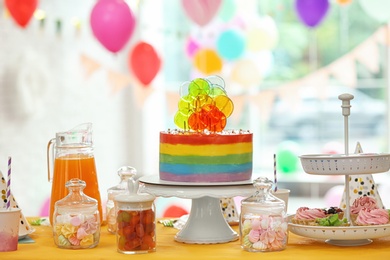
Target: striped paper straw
pixel 9 184
pixel 275 179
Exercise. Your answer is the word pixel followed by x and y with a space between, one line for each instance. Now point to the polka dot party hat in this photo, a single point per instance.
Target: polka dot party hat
pixel 361 185
pixel 24 226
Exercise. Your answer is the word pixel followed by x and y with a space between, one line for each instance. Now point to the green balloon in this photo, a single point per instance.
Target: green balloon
pixel 227 11
pixel 287 160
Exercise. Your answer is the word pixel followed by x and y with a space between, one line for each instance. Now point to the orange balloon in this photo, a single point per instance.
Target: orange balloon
pixel 343 2
pixel 207 61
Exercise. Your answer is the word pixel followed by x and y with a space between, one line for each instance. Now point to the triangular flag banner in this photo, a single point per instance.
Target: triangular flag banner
pixel 361 185
pixel 172 99
pixel 344 70
pixel 89 65
pixel 382 35
pixel 24 226
pixel 239 105
pixel 118 81
pixel 367 54
pixel 264 101
pixel 141 93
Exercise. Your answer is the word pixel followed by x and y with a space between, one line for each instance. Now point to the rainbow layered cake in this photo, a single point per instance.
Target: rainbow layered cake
pixel 202 151
pixel 194 157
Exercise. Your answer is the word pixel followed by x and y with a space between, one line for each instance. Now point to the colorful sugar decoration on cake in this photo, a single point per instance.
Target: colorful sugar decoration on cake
pixel 201 150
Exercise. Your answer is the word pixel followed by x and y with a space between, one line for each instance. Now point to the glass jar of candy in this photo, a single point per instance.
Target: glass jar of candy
pixel 76 219
pixel 263 220
pixel 136 222
pixel 125 173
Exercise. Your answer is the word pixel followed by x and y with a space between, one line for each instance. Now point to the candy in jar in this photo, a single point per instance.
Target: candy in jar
pixel 136 222
pixel 263 220
pixel 76 219
pixel 125 173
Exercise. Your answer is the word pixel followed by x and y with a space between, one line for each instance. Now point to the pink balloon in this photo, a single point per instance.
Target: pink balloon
pixel 112 23
pixel 201 11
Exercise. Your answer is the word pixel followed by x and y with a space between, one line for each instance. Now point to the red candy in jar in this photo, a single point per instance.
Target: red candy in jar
pixel 136 223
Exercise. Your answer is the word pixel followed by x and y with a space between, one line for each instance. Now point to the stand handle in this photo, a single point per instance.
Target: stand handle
pixel 346 111
pixel 346 106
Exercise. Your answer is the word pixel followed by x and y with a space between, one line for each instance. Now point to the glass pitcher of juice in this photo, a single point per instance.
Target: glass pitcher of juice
pixel 71 152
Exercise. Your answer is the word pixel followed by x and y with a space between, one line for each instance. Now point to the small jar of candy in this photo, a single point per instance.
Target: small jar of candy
pixel 125 173
pixel 263 220
pixel 76 219
pixel 136 221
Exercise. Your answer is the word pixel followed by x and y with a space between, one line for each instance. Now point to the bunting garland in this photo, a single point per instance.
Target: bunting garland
pixel 342 70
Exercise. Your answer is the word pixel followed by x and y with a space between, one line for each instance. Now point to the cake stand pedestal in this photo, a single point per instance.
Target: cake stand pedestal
pixel 206 223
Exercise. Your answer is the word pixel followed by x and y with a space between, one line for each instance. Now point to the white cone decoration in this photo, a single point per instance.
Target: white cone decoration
pixel 24 226
pixel 229 210
pixel 361 185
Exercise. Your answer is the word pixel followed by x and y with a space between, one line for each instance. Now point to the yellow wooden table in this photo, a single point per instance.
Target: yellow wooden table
pixel 300 248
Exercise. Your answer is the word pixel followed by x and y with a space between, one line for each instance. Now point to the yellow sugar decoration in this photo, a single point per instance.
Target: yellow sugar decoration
pixel 87 240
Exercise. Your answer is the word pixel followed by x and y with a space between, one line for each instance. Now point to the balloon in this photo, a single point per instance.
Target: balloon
pixel 112 23
pixel 21 10
pixel 207 61
pixel 287 157
pixel 201 11
pixel 245 73
pixel 144 62
pixel 376 9
pixel 334 196
pixel 263 35
pixel 333 147
pixel 174 211
pixel 45 208
pixel 311 12
pixel 230 44
pixel 227 10
pixel 343 2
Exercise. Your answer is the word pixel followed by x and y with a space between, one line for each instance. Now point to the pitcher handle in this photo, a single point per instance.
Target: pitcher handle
pixel 50 148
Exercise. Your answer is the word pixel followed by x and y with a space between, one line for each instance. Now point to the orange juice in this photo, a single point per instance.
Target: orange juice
pixel 74 166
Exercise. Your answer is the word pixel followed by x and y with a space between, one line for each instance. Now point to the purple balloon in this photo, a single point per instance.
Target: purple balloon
pixel 112 23
pixel 311 12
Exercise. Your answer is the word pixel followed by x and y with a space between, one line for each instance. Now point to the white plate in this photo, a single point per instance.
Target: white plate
pixel 155 179
pixel 343 234
pixel 26 233
pixel 341 164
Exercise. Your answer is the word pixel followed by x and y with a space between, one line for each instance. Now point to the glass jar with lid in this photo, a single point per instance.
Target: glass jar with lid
pixel 76 219
pixel 125 173
pixel 263 220
pixel 136 221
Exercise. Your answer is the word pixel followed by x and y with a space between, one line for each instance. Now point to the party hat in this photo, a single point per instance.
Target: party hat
pixel 24 226
pixel 361 185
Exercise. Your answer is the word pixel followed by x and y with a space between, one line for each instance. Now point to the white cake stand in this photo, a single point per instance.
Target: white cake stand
pixel 205 224
pixel 344 164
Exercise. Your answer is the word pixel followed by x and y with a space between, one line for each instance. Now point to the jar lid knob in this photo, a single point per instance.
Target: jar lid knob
pixel 262 183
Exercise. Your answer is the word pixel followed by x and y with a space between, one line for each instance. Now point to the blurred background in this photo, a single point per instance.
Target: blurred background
pixel 284 63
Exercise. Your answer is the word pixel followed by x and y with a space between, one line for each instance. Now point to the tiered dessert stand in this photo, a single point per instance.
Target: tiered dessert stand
pixel 206 223
pixel 344 164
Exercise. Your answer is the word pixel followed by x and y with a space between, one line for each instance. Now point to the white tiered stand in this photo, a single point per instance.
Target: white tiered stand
pixel 206 223
pixel 344 164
